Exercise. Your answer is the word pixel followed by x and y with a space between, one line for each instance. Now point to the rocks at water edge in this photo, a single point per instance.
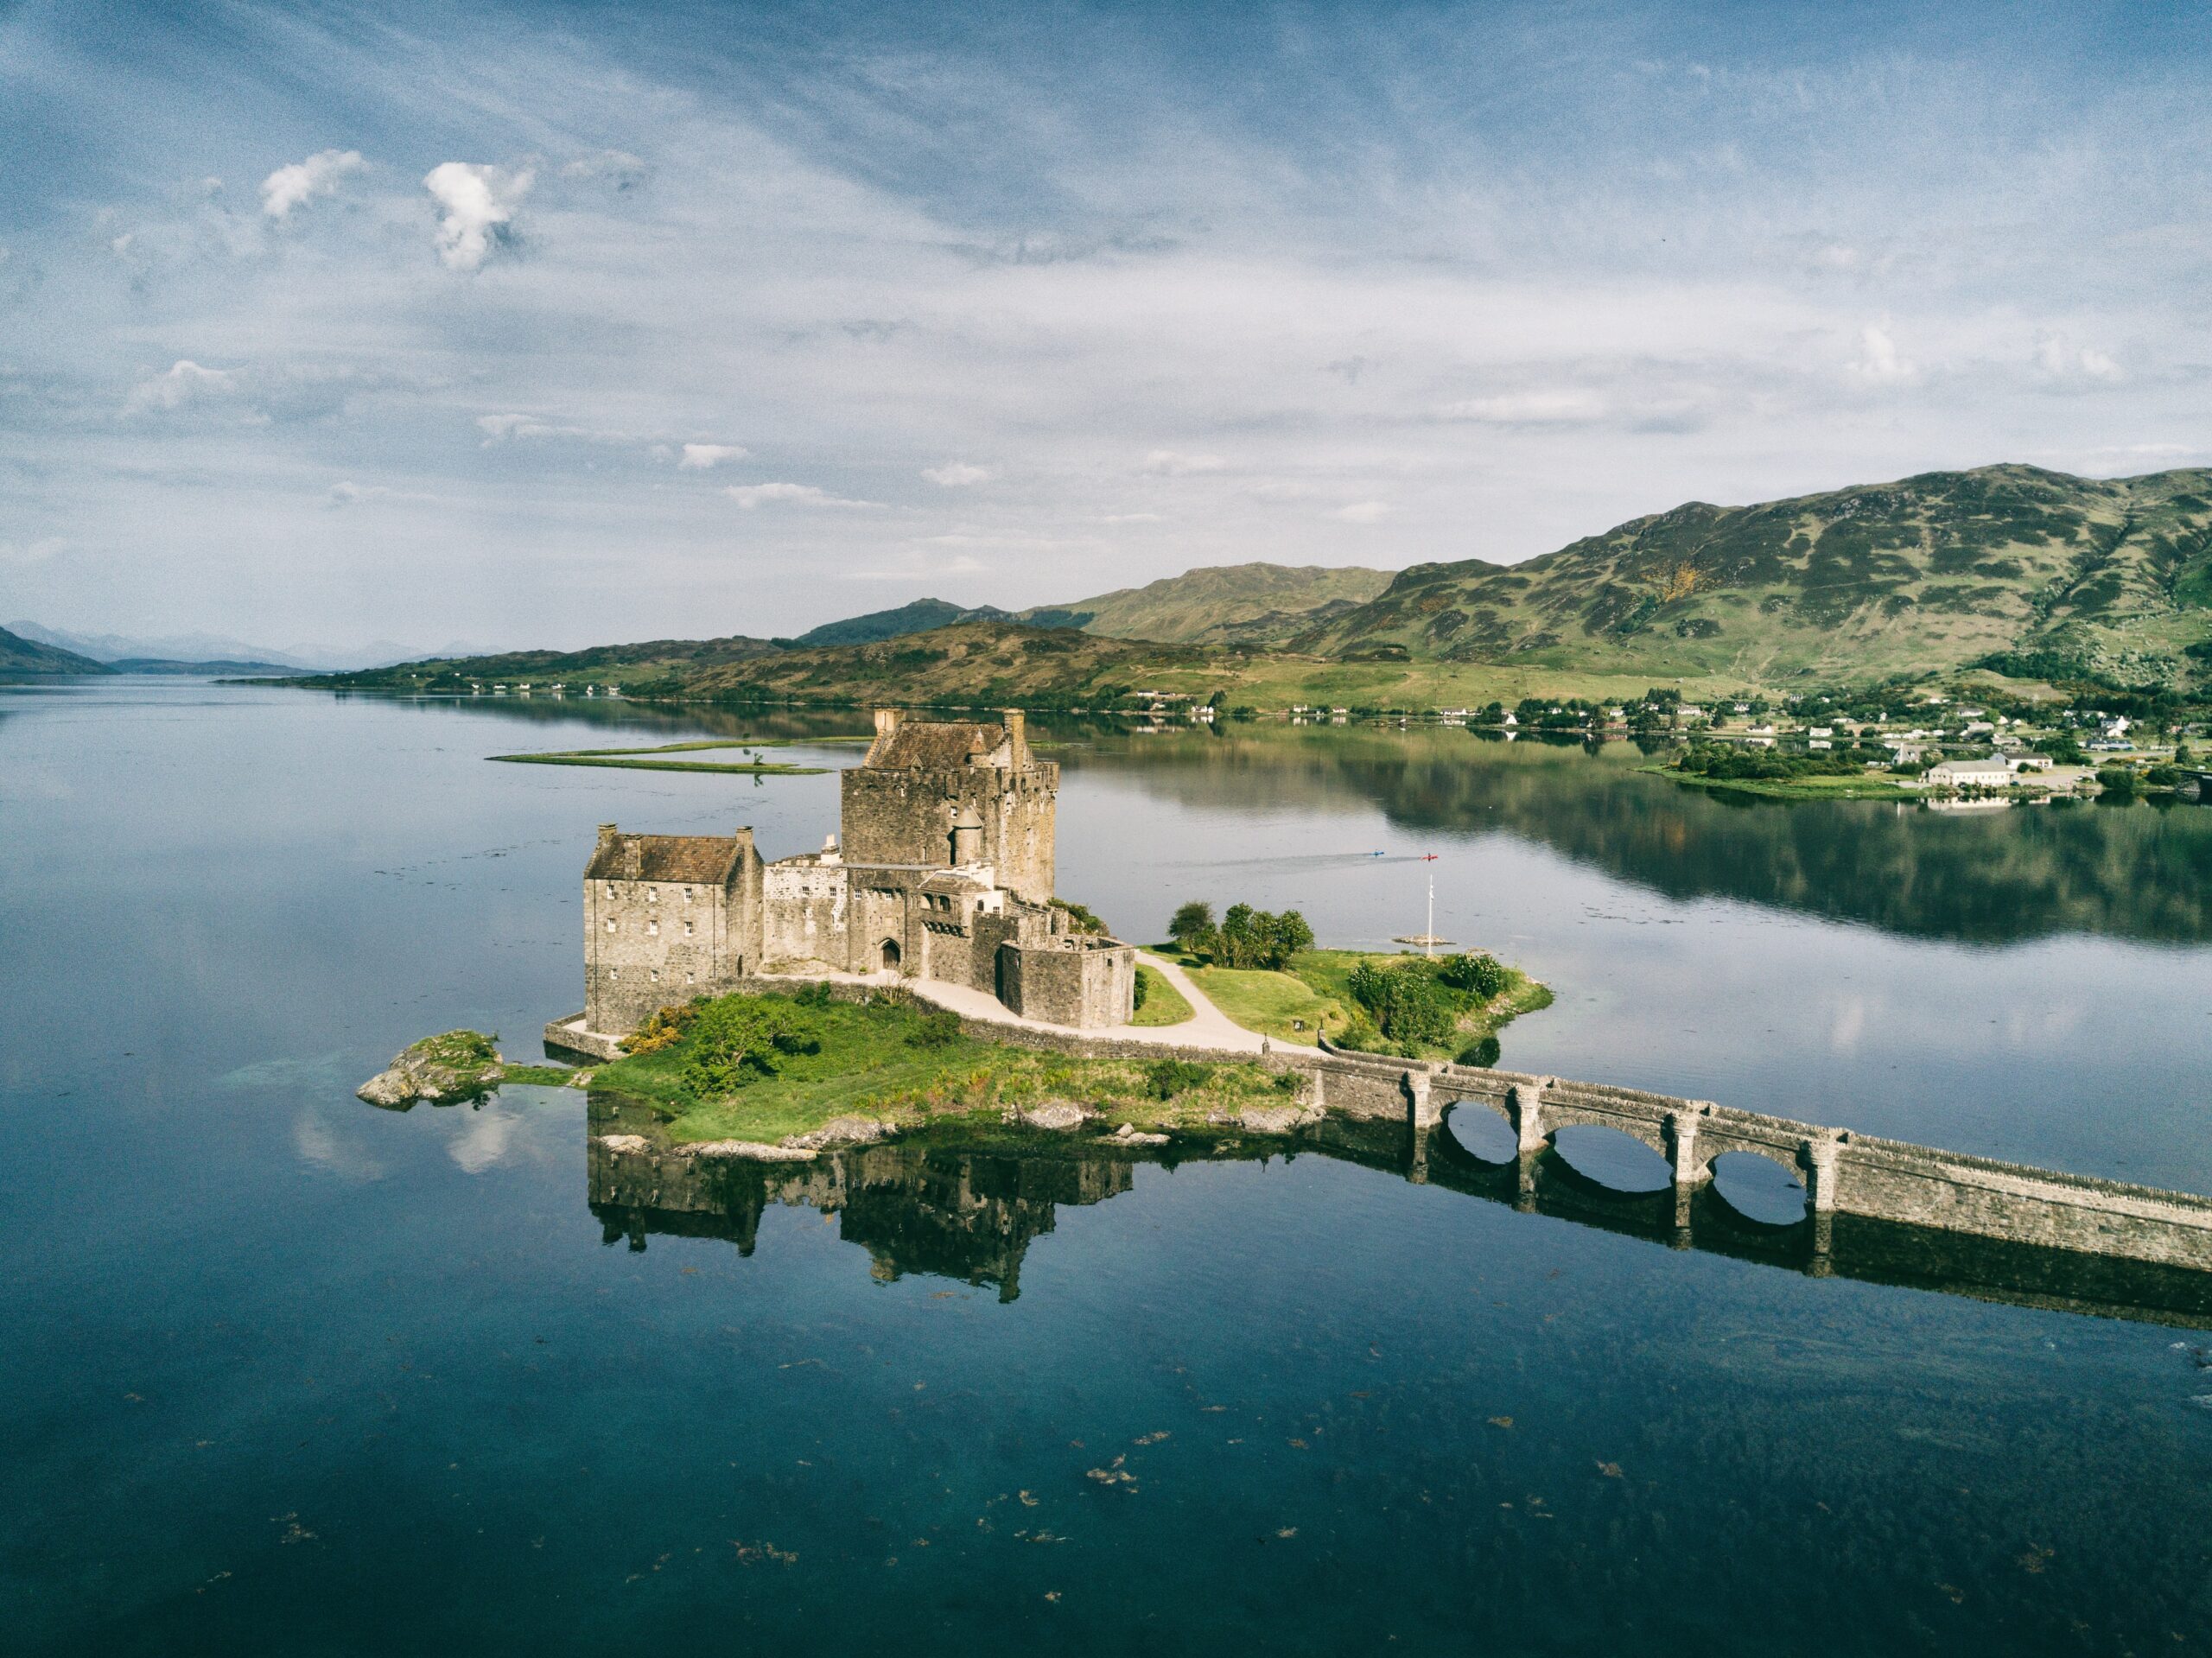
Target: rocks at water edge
pixel 454 1065
pixel 1129 1134
pixel 839 1131
pixel 1055 1116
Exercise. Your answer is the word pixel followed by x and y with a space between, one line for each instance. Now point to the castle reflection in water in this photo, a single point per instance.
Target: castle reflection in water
pixel 967 1212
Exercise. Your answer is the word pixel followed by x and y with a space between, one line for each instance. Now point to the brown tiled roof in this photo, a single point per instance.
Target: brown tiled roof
pixel 918 746
pixel 702 860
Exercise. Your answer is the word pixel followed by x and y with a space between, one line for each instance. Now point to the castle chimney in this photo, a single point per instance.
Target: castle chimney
pixel 633 859
pixel 1017 731
pixel 885 720
pixel 607 832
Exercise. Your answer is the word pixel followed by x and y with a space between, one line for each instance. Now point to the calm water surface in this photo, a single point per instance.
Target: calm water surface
pixel 283 1373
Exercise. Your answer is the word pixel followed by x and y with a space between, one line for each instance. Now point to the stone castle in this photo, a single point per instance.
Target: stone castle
pixel 942 870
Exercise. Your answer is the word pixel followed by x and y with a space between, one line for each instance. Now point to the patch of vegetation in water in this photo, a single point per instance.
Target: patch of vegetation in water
pixel 1739 769
pixel 762 1068
pixel 653 760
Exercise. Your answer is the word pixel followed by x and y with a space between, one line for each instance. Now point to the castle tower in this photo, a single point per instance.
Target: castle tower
pixel 934 795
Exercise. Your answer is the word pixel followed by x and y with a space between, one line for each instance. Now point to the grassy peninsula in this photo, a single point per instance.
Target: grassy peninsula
pixel 1445 1008
pixel 765 1068
pixel 655 759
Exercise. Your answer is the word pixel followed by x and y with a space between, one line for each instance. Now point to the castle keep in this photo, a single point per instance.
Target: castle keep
pixel 942 870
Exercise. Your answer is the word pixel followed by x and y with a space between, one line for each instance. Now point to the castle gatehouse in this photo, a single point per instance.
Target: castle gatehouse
pixel 942 870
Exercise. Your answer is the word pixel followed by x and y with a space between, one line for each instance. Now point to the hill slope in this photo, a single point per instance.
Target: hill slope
pixel 613 663
pixel 982 664
pixel 1927 574
pixel 21 656
pixel 920 617
pixel 1247 603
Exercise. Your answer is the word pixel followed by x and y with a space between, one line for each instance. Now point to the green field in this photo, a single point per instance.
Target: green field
pixel 1871 786
pixel 1312 996
pixel 1163 1003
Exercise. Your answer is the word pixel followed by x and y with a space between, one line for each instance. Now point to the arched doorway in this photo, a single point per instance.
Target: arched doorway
pixel 891 956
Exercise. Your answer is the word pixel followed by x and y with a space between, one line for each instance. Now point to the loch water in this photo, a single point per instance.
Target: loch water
pixel 282 1373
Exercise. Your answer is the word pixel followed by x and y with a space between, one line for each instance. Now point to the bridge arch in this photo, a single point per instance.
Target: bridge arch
pixel 1611 1157
pixel 1760 1185
pixel 1483 1129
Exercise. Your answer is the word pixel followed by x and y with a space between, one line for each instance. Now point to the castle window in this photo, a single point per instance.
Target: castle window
pixel 687 895
pixel 610 889
pixel 610 923
pixel 653 895
pixel 687 929
pixel 652 926
pixel 656 975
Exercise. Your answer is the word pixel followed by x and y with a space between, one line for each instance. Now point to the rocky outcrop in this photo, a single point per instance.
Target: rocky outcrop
pixel 839 1131
pixel 1055 1116
pixel 456 1065
pixel 1129 1134
pixel 750 1151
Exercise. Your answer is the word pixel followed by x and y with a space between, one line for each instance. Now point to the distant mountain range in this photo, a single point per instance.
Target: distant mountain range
pixel 1241 604
pixel 20 656
pixel 2034 573
pixel 219 653
pixel 2050 572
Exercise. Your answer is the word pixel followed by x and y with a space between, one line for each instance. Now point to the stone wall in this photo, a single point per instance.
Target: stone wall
pixel 647 943
pixel 803 903
pixel 1076 982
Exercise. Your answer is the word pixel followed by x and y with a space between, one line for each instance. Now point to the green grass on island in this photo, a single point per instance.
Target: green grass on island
pixel 649 759
pixel 1313 994
pixel 1159 1002
pixel 803 1060
pixel 1860 786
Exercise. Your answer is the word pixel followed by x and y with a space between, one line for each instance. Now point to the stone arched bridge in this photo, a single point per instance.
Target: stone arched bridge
pixel 1844 1173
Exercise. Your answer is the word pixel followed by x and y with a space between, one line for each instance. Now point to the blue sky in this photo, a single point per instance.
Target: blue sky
pixel 562 325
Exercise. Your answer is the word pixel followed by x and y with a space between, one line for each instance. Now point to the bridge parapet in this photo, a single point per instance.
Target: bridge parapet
pixel 1843 1172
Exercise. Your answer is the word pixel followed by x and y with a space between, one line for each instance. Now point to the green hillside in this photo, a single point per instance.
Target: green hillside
pixel 1252 604
pixel 920 617
pixel 982 664
pixel 652 660
pixel 20 656
pixel 1932 573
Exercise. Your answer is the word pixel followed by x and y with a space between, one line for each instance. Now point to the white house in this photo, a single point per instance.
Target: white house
pixel 1959 773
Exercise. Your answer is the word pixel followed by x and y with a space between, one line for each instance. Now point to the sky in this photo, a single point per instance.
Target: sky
pixel 560 324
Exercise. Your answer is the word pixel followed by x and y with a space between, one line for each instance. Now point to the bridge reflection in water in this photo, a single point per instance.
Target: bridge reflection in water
pixel 969 1212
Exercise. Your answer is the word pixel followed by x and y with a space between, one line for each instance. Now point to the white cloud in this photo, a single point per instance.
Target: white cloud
pixel 1363 512
pixel 618 168
pixel 1528 409
pixel 499 428
pixel 750 496
pixel 957 474
pixel 350 494
pixel 2061 359
pixel 698 457
pixel 1881 362
pixel 1167 463
pixel 184 382
pixel 1130 517
pixel 300 182
pixel 478 204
